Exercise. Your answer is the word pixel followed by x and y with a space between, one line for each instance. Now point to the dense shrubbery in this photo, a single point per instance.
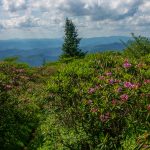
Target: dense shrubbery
pixel 20 101
pixel 139 46
pixel 101 102
pixel 17 116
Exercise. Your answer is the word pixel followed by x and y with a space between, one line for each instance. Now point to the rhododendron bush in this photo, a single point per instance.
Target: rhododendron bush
pixel 105 99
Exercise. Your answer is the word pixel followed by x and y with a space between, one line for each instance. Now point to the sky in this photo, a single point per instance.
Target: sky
pixel 93 18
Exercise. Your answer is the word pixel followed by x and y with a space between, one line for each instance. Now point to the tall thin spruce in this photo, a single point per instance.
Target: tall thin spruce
pixel 71 41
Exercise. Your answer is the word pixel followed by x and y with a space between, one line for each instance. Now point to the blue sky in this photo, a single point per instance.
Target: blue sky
pixel 94 18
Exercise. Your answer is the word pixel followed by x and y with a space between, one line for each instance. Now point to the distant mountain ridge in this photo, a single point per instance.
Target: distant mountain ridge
pixel 50 49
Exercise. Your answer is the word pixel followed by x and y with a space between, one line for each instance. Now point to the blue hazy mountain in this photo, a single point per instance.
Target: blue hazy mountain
pixel 35 51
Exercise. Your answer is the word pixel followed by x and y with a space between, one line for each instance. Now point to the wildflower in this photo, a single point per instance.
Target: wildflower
pixel 90 102
pixel 91 90
pixel 146 81
pixel 128 85
pixel 114 102
pixel 101 77
pixel 8 87
pixel 105 117
pixel 108 74
pixel 124 97
pixel 127 64
pixel 20 70
pixel 148 107
pixel 136 86
pixel 119 89
pixel 111 81
pixel 94 110
pixel 96 87
pixel 117 81
pixel 145 146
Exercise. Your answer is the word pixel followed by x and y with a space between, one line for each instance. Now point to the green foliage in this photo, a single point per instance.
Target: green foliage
pixel 71 41
pixel 139 46
pixel 102 101
pixel 11 59
pixel 21 99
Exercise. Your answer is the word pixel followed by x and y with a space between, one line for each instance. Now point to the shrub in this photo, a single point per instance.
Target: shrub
pixel 139 46
pixel 103 100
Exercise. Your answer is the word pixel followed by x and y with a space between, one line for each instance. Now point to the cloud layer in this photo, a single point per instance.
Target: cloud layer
pixel 109 16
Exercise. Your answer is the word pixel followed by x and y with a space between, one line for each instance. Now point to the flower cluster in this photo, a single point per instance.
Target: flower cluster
pixel 127 64
pixel 124 97
pixel 105 117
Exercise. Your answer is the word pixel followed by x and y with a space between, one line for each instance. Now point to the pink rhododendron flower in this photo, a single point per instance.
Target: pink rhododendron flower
pixel 119 89
pixel 90 102
pixel 97 87
pixel 127 64
pixel 148 107
pixel 105 117
pixel 8 87
pixel 145 146
pixel 94 110
pixel 101 77
pixel 136 86
pixel 114 102
pixel 128 85
pixel 20 70
pixel 91 90
pixel 108 73
pixel 124 97
pixel 117 81
pixel 111 81
pixel 147 81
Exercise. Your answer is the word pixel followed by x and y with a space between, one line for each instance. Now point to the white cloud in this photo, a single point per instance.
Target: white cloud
pixel 20 22
pixel 111 16
pixel 14 5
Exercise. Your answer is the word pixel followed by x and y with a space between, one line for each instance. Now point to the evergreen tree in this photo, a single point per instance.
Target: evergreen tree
pixel 71 41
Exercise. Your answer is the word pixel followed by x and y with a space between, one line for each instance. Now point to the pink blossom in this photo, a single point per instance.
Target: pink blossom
pixel 97 87
pixel 90 102
pixel 20 70
pixel 108 73
pixel 117 81
pixel 128 85
pixel 147 81
pixel 148 107
pixel 124 97
pixel 101 77
pixel 111 81
pixel 114 102
pixel 126 64
pixel 145 146
pixel 8 87
pixel 136 86
pixel 94 110
pixel 91 90
pixel 119 89
pixel 131 86
pixel 105 117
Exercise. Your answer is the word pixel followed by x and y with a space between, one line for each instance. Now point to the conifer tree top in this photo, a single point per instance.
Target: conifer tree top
pixel 71 40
